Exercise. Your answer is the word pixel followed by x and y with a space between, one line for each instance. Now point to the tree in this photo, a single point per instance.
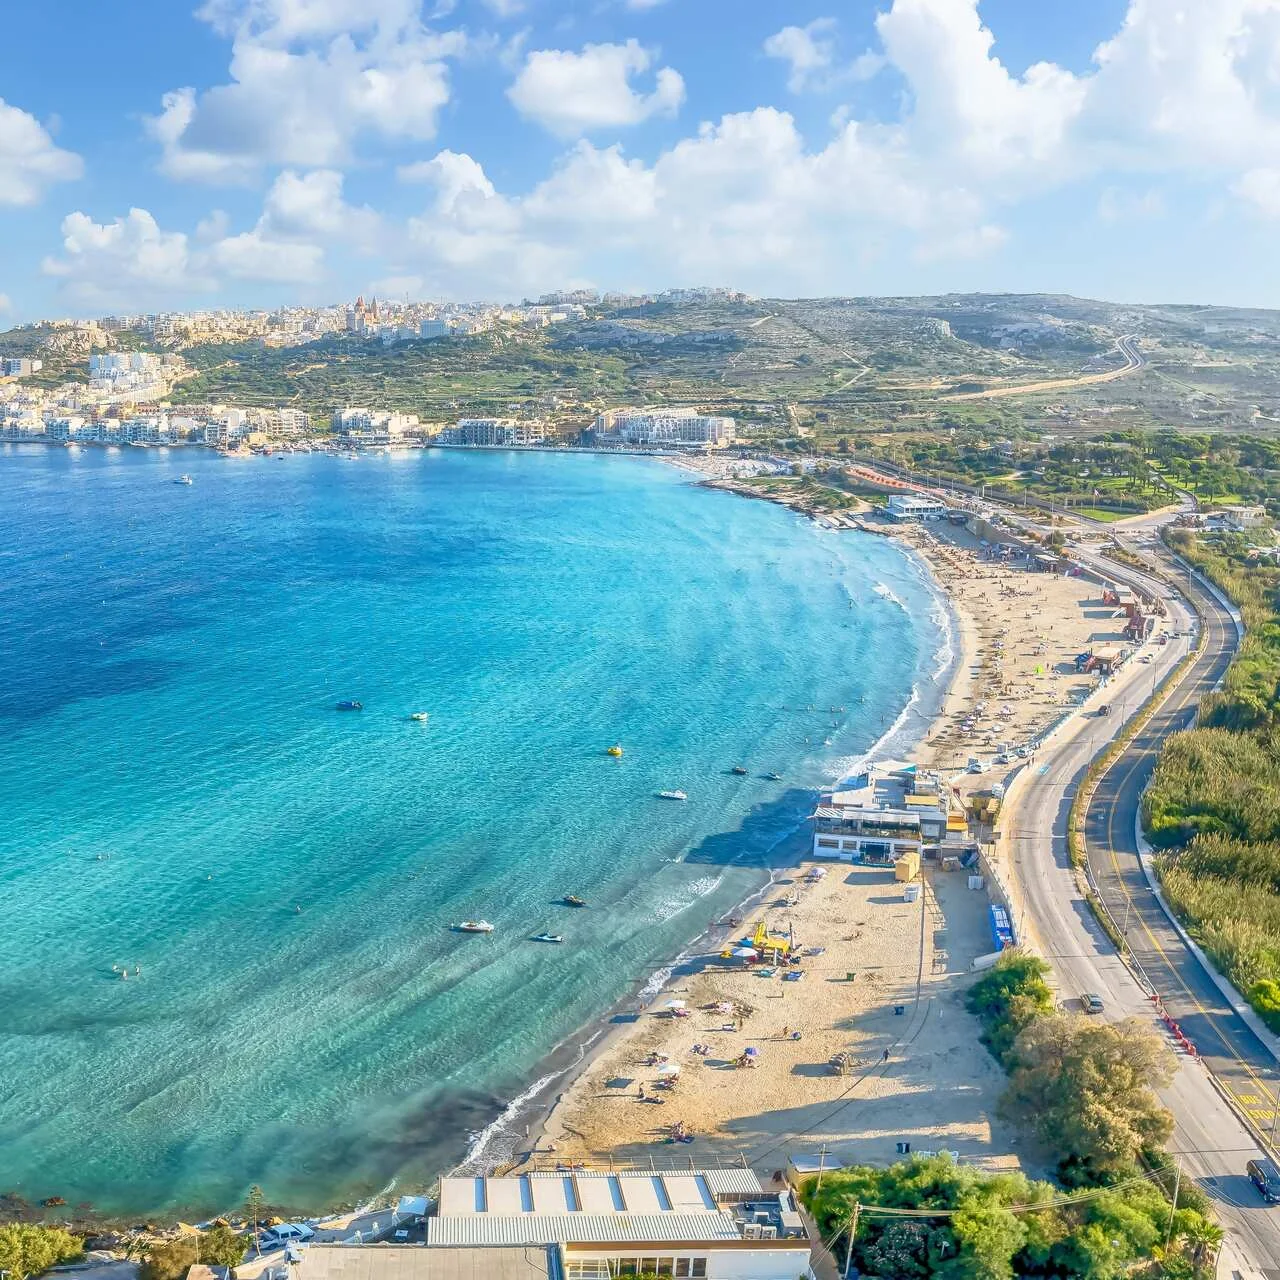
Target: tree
pixel 1202 1238
pixel 170 1259
pixel 1085 1089
pixel 27 1249
pixel 1008 997
pixel 222 1247
pixel 254 1205
pixel 901 1250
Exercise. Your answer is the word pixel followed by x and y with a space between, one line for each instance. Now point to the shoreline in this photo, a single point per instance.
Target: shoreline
pixel 532 1113
pixel 1029 662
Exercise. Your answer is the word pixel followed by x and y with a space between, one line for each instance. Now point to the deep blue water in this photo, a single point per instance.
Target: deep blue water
pixel 175 783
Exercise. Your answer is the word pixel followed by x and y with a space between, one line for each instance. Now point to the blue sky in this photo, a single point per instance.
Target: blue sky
pixel 164 154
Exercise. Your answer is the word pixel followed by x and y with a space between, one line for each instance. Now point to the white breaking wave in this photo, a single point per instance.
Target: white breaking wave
pixel 500 1139
pixel 697 889
pixel 854 764
pixel 885 592
pixel 372 1203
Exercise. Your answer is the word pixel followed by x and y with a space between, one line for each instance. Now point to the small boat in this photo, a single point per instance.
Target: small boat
pixel 672 795
pixel 774 777
pixel 420 716
pixel 739 771
pixel 547 937
pixel 349 704
pixel 615 750
pixel 572 900
pixel 184 479
pixel 473 926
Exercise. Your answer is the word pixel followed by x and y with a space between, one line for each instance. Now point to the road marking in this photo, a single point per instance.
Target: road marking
pixel 1272 1100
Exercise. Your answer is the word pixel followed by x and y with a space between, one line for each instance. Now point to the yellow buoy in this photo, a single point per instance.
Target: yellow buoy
pixel 614 750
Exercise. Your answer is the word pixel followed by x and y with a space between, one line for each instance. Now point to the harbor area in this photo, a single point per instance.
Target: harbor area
pixel 846 1035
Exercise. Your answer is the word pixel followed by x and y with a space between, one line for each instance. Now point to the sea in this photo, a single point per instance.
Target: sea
pixel 183 803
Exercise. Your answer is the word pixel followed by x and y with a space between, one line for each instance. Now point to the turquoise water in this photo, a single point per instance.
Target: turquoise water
pixel 176 783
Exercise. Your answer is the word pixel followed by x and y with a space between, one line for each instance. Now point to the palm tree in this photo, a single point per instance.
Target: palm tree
pixel 1203 1238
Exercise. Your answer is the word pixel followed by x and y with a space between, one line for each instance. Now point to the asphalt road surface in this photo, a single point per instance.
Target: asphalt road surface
pixel 1210 1140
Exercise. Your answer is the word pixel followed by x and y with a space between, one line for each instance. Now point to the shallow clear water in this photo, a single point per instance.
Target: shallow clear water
pixel 175 783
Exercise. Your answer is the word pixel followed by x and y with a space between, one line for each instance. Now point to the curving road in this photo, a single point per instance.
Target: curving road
pixel 1209 1139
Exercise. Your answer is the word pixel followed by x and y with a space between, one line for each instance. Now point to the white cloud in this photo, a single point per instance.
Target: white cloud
pixel 572 93
pixel 301 216
pixel 809 50
pixel 29 160
pixel 122 262
pixel 308 78
pixel 133 262
pixel 1185 90
pixel 1260 190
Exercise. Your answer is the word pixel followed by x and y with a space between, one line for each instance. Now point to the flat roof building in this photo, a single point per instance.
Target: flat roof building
pixel 876 816
pixel 913 506
pixel 662 427
pixel 711 1224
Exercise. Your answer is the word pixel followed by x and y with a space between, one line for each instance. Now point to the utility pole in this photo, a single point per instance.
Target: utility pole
pixel 1177 1182
pixel 853 1231
pixel 823 1152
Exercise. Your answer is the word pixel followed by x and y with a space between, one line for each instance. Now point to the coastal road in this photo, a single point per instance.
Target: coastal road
pixel 1229 1047
pixel 1127 345
pixel 1210 1140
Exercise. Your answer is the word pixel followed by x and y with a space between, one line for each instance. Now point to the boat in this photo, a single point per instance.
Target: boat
pixel 672 795
pixel 615 750
pixel 739 771
pixel 420 716
pixel 547 937
pixel 473 926
pixel 349 704
pixel 774 777
pixel 572 900
pixel 184 479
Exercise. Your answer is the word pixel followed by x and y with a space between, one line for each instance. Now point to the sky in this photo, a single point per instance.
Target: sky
pixel 171 154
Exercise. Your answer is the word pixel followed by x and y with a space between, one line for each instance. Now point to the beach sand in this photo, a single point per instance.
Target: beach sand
pixel 1018 634
pixel 936 1089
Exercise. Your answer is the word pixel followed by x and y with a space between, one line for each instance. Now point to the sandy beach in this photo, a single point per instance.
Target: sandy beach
pixel 872 1047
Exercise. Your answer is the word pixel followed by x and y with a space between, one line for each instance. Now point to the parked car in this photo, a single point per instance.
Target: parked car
pixel 1091 1002
pixel 1266 1177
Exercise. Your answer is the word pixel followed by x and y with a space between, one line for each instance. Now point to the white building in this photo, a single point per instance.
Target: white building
pixel 879 815
pixel 710 1224
pixel 664 427
pixel 496 433
pixel 22 368
pixel 373 426
pixel 434 329
pixel 913 506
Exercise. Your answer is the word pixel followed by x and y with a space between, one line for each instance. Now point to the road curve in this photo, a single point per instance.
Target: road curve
pixel 1209 1138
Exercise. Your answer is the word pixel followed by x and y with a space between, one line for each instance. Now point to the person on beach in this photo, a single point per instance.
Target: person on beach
pixel 642 1097
pixel 885 1058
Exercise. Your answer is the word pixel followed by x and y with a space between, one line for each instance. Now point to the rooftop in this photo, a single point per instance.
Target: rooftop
pixel 413 1262
pixel 892 787
pixel 580 1228
pixel 596 1192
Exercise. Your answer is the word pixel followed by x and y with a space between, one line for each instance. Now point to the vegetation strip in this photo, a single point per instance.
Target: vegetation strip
pixel 1082 1087
pixel 1213 806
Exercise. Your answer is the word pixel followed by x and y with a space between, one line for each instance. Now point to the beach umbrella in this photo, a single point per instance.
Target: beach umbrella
pixel 752 1053
pixel 669 1069
pixel 744 952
